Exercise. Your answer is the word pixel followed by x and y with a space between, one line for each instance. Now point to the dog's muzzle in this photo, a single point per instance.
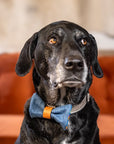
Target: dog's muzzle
pixel 70 73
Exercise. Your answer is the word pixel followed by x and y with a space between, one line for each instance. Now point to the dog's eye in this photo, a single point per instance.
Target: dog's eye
pixel 84 42
pixel 53 40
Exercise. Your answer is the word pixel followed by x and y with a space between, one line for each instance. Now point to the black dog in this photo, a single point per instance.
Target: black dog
pixel 64 56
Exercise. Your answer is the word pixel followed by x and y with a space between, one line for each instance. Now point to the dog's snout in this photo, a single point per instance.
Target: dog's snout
pixel 76 63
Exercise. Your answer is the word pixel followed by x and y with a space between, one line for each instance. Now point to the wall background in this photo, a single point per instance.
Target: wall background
pixel 19 19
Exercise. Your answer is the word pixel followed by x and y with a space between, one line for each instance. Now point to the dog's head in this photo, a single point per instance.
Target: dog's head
pixel 65 56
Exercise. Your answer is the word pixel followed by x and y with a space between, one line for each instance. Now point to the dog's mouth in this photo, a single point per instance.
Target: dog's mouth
pixel 60 91
pixel 70 82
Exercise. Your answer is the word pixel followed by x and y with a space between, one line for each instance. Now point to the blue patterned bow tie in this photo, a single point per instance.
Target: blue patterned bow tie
pixel 60 114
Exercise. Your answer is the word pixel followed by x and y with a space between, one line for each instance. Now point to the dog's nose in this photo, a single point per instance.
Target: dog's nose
pixel 76 63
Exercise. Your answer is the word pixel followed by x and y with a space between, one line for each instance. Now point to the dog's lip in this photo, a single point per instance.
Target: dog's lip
pixel 70 83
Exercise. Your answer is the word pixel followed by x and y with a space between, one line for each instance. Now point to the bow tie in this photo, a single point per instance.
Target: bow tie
pixel 60 114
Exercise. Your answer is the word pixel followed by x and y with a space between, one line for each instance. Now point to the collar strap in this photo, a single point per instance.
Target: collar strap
pixel 75 109
pixel 80 106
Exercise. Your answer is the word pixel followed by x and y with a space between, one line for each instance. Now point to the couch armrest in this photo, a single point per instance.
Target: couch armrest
pixel 106 125
pixel 10 125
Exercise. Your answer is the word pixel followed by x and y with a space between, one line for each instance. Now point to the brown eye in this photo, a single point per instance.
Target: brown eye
pixel 53 41
pixel 83 42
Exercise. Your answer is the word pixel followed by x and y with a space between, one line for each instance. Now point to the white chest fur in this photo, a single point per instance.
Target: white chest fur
pixel 66 139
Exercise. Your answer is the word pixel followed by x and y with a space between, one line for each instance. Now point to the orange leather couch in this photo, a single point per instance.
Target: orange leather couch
pixel 14 91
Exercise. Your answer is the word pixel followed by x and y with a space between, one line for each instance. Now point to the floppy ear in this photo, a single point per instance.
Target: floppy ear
pixel 97 71
pixel 24 62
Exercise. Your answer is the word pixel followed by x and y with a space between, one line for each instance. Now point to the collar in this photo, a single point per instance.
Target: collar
pixel 81 105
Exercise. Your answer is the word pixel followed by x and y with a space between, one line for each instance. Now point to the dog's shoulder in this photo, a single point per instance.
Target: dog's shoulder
pixel 27 104
pixel 27 117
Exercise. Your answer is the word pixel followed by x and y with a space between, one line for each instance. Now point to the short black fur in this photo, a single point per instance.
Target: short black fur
pixel 49 70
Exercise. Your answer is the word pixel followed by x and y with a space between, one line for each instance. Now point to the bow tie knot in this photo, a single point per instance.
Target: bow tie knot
pixel 60 114
pixel 47 112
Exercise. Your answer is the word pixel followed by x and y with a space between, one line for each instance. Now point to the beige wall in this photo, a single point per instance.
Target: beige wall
pixel 19 19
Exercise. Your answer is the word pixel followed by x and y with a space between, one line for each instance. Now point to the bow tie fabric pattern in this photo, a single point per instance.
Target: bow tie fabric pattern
pixel 60 114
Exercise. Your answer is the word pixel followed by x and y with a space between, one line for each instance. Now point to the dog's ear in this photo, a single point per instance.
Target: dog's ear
pixel 24 62
pixel 97 71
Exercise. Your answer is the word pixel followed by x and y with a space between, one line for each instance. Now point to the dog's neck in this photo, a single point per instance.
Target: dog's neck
pixel 81 105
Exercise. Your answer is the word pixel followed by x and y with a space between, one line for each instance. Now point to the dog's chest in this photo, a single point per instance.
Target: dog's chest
pixel 70 130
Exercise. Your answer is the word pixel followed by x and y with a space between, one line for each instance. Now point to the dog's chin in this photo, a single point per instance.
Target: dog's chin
pixel 64 91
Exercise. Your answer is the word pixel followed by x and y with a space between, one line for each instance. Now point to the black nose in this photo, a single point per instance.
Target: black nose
pixel 76 63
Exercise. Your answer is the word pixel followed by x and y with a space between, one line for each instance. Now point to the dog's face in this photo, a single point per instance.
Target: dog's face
pixel 63 54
